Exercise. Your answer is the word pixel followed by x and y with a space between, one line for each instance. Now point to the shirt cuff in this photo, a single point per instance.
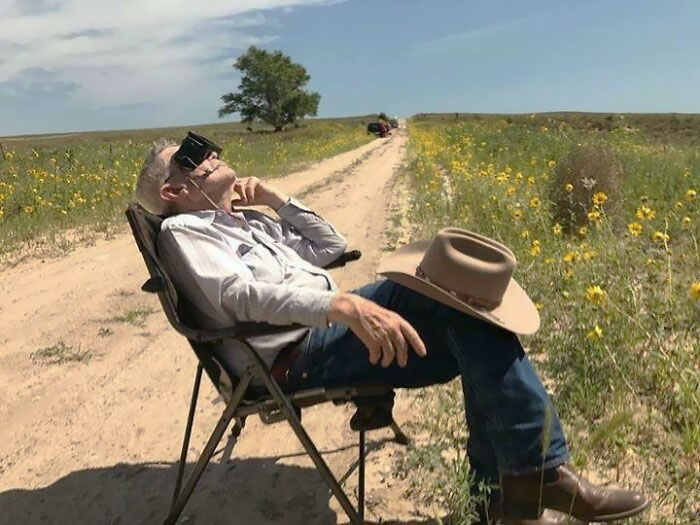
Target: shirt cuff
pixel 291 208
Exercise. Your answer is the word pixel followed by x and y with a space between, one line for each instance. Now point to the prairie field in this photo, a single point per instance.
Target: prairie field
pixel 58 189
pixel 616 280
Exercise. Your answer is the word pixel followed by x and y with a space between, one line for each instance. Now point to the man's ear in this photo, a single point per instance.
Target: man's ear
pixel 173 193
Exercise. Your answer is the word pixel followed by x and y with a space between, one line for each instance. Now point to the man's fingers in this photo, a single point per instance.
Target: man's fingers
pixel 401 348
pixel 413 338
pixel 375 352
pixel 239 189
pixel 388 351
pixel 250 192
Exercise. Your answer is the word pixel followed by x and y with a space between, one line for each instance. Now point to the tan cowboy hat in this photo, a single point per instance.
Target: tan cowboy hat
pixel 468 272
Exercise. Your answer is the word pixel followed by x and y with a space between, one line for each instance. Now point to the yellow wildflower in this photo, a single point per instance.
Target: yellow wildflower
pixel 535 202
pixel 679 204
pixel 691 194
pixel 525 234
pixel 518 176
pixel 535 248
pixel 686 221
pixel 510 190
pixel 694 291
pixel 595 333
pixel 595 294
pixel 599 198
pixel 552 163
pixel 556 229
pixel 634 228
pixel 590 254
pixel 594 216
pixel 29 210
pixel 644 212
pixel 569 187
pixel 550 260
pixel 531 180
pixel 517 214
pixel 660 237
pixel 569 272
pixel 583 231
pixel 649 261
pixel 572 256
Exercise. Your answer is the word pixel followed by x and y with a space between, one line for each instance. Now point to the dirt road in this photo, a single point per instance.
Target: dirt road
pixel 96 441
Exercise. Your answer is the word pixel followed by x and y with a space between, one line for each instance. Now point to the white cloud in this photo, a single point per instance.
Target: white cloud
pixel 128 51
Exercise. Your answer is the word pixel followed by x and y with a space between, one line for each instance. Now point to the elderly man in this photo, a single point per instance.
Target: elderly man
pixel 450 307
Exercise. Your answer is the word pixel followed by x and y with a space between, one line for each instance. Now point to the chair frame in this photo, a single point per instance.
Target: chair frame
pixel 273 406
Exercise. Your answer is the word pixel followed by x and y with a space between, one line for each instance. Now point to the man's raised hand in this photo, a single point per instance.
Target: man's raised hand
pixel 254 192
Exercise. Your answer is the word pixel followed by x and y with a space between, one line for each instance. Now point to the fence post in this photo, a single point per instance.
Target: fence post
pixel 2 150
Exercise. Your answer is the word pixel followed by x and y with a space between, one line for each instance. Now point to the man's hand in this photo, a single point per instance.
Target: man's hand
pixel 254 192
pixel 386 334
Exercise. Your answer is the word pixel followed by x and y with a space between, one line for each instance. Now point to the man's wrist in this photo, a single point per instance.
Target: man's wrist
pixel 277 199
pixel 342 309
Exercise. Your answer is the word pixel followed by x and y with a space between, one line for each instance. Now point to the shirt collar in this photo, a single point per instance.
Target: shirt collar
pixel 211 215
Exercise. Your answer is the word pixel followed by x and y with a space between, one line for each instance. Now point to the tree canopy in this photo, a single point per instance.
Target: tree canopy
pixel 271 90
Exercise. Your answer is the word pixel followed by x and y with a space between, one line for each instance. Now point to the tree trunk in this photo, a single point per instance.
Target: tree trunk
pixel 278 128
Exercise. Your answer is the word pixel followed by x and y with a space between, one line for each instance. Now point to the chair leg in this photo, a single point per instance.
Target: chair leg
pixel 399 436
pixel 208 452
pixel 361 479
pixel 188 432
pixel 231 442
pixel 286 406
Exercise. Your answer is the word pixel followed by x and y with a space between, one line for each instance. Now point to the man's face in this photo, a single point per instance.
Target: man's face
pixel 213 177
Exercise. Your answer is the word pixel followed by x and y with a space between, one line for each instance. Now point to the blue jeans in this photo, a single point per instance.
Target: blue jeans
pixel 505 402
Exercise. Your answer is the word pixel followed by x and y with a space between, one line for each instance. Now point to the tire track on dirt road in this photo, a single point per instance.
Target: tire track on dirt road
pixel 80 440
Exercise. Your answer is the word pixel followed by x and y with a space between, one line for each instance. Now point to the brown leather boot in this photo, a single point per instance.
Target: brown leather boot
pixel 549 517
pixel 496 517
pixel 565 491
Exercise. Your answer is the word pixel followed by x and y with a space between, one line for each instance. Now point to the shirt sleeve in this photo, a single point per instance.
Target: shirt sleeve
pixel 306 232
pixel 214 277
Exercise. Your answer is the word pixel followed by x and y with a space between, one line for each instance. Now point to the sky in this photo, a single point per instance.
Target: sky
pixel 79 65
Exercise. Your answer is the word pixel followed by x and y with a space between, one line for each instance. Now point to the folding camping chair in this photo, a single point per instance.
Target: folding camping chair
pixel 273 405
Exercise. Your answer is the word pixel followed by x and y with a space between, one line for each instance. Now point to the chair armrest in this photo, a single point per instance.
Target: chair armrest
pixel 345 258
pixel 242 330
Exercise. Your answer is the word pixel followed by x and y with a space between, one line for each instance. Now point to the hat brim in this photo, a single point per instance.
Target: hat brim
pixel 516 313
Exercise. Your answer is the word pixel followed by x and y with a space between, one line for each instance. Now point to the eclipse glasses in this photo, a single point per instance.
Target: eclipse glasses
pixel 193 150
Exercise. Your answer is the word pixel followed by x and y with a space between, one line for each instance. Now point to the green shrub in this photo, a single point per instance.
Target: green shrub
pixel 584 172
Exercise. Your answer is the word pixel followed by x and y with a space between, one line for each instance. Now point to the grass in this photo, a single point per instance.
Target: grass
pixel 105 331
pixel 619 297
pixel 56 190
pixel 136 317
pixel 60 353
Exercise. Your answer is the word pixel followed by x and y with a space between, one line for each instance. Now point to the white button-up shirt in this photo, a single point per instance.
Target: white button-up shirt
pixel 245 266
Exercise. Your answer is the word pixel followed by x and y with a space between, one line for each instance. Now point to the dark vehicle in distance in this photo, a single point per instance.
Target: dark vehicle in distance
pixel 394 123
pixel 378 128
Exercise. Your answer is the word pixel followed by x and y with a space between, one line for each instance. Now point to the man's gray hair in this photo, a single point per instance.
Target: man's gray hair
pixel 152 177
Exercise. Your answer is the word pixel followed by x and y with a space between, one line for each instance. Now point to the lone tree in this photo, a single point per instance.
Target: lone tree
pixel 270 90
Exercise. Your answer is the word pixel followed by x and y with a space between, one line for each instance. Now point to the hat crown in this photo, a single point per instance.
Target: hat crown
pixel 471 266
